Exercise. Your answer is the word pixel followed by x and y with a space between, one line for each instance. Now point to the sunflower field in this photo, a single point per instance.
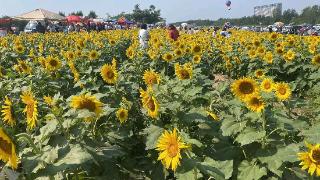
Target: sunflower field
pixel 97 106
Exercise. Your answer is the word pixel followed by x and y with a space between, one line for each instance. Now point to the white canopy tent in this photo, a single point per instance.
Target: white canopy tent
pixel 39 14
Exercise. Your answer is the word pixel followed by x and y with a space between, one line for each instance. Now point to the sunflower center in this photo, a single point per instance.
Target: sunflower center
pixel 110 74
pixel 88 104
pixel 259 73
pixel 246 88
pixel 184 74
pixel 316 155
pixel 317 59
pixel 122 114
pixel 255 101
pixel 30 109
pixel 23 66
pixel 53 63
pixel 267 85
pixel 151 104
pixel 5 146
pixel 197 49
pixel 152 80
pixel 282 91
pixel 173 149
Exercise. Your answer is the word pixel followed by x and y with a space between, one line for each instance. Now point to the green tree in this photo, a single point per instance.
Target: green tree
pixel 92 14
pixel 62 14
pixel 288 15
pixel 78 13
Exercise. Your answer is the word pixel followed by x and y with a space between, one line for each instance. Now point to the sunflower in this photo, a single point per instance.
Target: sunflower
pixel 289 56
pixel 177 52
pixel 259 73
pixel 109 72
pixel 93 55
pixel 19 49
pixel 268 57
pixel 7 112
pixel 256 42
pixel 279 50
pixel 167 57
pixel 196 59
pixel 316 60
pixel 52 63
pixel 244 87
pixel 130 53
pixel 49 101
pixel 254 103
pixel 71 55
pixel 252 54
pixel 8 150
pixel 169 146
pixel 196 49
pixel 88 102
pixel 150 77
pixel 212 115
pixel 30 109
pixel 273 36
pixel 266 85
pixel 149 102
pixel 183 72
pixel 122 115
pixel 22 67
pixel 311 159
pixel 283 91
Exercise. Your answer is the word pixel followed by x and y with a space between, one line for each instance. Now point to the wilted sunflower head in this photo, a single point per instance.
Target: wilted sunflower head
pixel 244 87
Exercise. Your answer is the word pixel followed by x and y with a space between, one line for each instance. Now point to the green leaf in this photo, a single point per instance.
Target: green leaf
pixel 186 138
pixel 76 156
pixel 230 126
pixel 153 133
pixel 250 135
pixel 250 171
pixel 274 158
pixel 312 134
pixel 46 130
pixel 217 169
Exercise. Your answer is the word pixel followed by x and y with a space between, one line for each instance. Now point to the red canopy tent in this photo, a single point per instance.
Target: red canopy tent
pixel 5 20
pixel 122 20
pixel 73 19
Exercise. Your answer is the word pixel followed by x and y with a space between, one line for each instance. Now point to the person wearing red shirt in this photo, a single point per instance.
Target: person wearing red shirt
pixel 173 32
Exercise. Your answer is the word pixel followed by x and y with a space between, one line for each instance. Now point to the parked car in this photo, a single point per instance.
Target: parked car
pixel 31 27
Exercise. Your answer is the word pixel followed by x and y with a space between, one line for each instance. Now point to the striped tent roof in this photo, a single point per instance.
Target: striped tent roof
pixel 40 14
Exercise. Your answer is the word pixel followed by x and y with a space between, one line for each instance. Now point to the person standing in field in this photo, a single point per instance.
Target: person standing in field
pixel 173 32
pixel 144 36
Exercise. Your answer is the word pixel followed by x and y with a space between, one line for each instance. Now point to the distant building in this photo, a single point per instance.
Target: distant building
pixel 268 10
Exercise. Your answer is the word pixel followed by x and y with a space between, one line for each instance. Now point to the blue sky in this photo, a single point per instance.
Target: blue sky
pixel 172 10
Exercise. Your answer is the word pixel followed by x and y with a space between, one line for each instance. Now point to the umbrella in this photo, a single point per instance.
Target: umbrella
pixel 279 24
pixel 40 14
pixel 73 19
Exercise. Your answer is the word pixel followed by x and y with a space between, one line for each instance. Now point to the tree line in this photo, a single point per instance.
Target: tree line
pixel 309 15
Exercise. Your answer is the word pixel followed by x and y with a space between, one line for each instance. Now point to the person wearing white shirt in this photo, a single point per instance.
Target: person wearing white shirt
pixel 144 36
